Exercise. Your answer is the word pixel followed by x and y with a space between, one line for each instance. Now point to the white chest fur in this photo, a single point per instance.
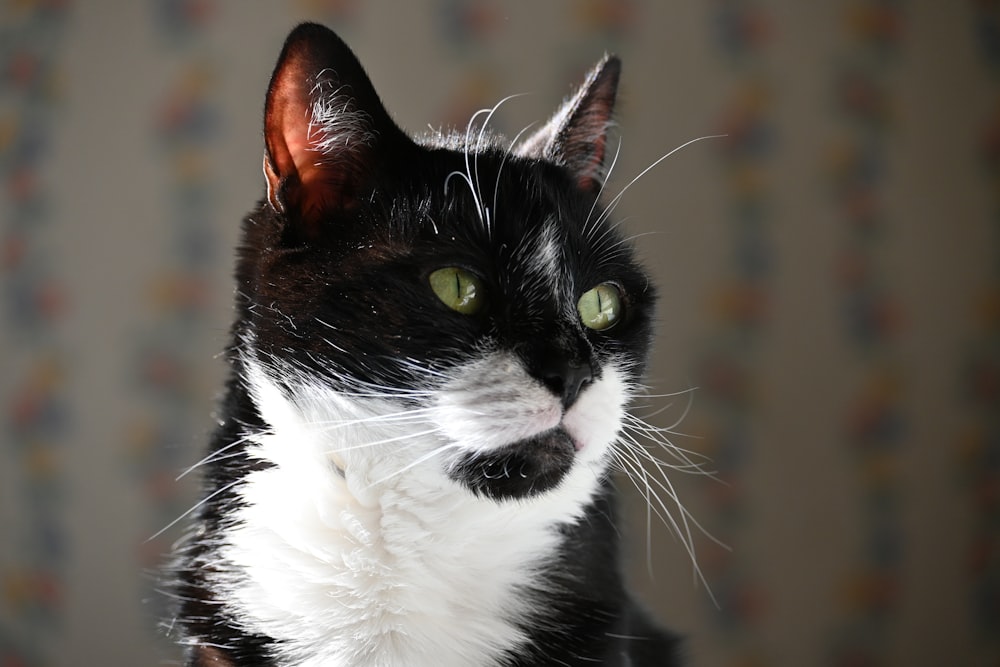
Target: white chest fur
pixel 351 554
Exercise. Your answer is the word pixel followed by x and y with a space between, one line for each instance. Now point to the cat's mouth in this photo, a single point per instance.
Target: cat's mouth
pixel 520 469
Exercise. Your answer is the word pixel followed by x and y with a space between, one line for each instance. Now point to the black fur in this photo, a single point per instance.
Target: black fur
pixel 342 250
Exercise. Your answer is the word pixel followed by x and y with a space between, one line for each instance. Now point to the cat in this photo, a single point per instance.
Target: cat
pixel 436 342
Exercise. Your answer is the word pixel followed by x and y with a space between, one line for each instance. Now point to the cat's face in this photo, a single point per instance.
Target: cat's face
pixel 484 290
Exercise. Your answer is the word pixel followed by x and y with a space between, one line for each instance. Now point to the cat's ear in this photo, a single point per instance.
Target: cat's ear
pixel 323 123
pixel 577 135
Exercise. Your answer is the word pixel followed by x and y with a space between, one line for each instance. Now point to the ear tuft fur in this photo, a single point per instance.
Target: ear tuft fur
pixel 336 126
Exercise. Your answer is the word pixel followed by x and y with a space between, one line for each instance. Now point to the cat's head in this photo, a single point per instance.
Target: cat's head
pixel 472 284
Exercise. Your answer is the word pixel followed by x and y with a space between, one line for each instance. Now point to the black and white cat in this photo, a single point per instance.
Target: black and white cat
pixel 436 342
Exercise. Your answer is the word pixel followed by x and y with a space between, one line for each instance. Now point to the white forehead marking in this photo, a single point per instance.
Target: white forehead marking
pixel 546 260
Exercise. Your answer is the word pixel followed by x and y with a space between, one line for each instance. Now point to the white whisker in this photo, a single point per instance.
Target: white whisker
pixel 685 535
pixel 415 415
pixel 503 161
pixel 418 461
pixel 645 490
pixel 604 182
pixel 614 202
pixel 636 453
pixel 479 147
pixel 686 464
pixel 192 509
pixel 386 441
pixel 215 456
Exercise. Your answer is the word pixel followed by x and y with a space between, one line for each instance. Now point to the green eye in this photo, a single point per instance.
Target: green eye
pixel 601 307
pixel 458 289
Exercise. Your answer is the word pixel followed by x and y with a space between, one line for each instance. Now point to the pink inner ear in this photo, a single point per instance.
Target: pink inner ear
pixel 321 122
pixel 287 165
pixel 302 172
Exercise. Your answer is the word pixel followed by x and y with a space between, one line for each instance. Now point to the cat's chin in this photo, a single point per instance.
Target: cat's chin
pixel 519 470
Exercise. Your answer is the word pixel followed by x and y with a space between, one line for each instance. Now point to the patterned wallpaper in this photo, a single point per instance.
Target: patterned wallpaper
pixel 38 422
pixel 830 272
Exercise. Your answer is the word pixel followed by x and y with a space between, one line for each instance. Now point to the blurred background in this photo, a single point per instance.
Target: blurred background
pixel 829 271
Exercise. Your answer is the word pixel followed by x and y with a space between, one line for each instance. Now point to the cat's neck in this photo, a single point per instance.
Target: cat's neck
pixel 346 558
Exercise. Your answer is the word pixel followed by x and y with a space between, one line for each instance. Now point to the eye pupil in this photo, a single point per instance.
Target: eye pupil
pixel 460 290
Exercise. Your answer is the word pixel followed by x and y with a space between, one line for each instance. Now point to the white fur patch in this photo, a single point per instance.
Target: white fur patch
pixel 356 548
pixel 546 262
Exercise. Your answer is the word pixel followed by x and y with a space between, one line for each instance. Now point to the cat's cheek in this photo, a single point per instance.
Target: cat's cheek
pixel 596 418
